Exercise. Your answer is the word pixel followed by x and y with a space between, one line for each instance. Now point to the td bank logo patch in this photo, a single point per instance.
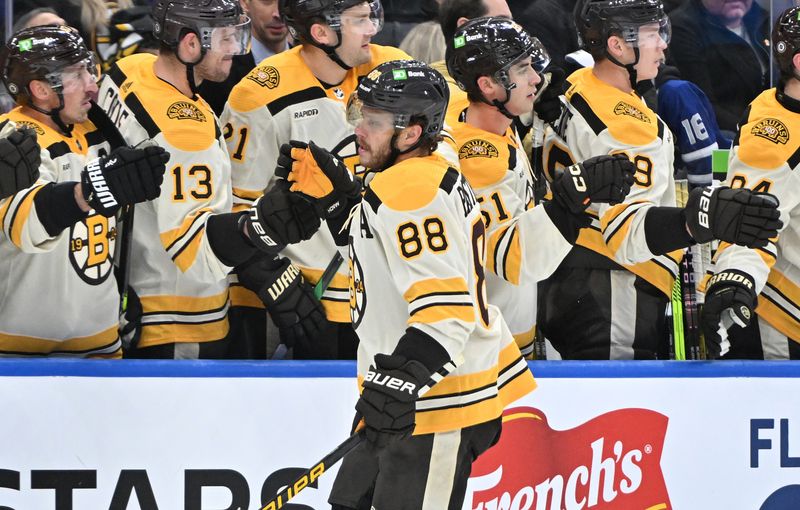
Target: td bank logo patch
pixel 772 129
pixel 184 110
pixel 623 108
pixel 266 76
pixel 477 149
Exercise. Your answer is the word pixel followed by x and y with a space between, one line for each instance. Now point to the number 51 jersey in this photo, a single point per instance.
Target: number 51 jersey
pixel 416 255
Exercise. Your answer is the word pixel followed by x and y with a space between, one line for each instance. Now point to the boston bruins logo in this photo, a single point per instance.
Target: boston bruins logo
pixel 32 125
pixel 184 110
pixel 771 129
pixel 624 108
pixel 477 149
pixel 358 296
pixel 266 76
pixel 91 246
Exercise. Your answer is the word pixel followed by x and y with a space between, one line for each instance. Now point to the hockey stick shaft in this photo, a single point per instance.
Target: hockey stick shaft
pixel 328 274
pixel 311 474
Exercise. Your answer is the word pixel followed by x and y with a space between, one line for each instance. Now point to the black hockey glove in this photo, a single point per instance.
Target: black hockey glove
pixel 319 175
pixel 389 396
pixel 730 300
pixel 738 216
pixel 278 218
pixel 125 177
pixel 547 104
pixel 20 158
pixel 606 179
pixel 288 297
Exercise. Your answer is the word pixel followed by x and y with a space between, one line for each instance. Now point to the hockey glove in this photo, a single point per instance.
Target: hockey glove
pixel 730 300
pixel 319 175
pixel 125 177
pixel 278 218
pixel 605 179
pixel 738 216
pixel 547 104
pixel 288 297
pixel 389 396
pixel 20 158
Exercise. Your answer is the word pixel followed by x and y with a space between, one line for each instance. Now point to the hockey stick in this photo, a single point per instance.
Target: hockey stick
pixel 311 474
pixel 328 274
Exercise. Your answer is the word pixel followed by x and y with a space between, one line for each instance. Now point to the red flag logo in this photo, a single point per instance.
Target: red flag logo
pixel 612 462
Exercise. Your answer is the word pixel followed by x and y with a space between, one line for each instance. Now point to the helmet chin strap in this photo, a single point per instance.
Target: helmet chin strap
pixel 501 105
pixel 190 69
pixel 55 115
pixel 631 68
pixel 331 50
pixel 394 152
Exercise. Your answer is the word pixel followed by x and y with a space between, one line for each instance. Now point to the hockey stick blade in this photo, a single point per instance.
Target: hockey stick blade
pixel 310 475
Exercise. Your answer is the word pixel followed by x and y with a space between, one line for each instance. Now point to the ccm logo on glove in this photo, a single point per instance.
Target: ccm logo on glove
pixel 99 185
pixel 391 382
pixel 730 277
pixel 577 177
pixel 283 282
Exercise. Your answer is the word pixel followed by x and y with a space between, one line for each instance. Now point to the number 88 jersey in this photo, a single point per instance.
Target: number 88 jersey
pixel 417 250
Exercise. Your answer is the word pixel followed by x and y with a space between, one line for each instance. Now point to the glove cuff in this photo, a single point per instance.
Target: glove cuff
pixel 665 230
pixel 418 346
pixel 227 240
pixel 567 223
pixel 56 207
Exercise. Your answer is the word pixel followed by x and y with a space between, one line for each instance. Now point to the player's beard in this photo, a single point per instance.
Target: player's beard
pixel 376 158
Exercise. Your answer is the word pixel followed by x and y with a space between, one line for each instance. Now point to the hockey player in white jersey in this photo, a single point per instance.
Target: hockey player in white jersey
pixel 59 296
pixel 301 94
pixel 417 300
pixel 186 242
pixel 498 64
pixel 608 298
pixel 764 157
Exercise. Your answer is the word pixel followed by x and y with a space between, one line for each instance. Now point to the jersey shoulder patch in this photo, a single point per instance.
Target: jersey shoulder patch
pixel 187 124
pixel 602 106
pixel 482 156
pixel 771 134
pixel 273 79
pixel 411 184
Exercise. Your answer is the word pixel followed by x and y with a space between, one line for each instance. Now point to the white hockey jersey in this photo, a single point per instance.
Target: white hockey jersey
pixel 416 255
pixel 59 296
pixel 178 278
pixel 524 246
pixel 281 100
pixel 602 119
pixel 764 158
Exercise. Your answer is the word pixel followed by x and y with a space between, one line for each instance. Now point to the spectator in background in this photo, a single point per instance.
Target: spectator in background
pixel 269 36
pixel 425 42
pixel 551 21
pixel 38 17
pixel 400 16
pixel 722 47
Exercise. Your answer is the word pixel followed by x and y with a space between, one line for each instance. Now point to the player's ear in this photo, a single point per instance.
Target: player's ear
pixel 409 136
pixel 323 34
pixel 615 46
pixel 796 61
pixel 189 48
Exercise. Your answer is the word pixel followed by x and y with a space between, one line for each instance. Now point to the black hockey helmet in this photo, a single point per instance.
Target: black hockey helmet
pixel 42 53
pixel 489 46
pixel 172 19
pixel 597 20
pixel 786 41
pixel 411 90
pixel 301 15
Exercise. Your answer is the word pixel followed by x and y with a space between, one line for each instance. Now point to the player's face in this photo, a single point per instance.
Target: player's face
pixel 79 88
pixel 374 131
pixel 651 51
pixel 358 29
pixel 525 79
pixel 729 10
pixel 266 21
pixel 215 66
